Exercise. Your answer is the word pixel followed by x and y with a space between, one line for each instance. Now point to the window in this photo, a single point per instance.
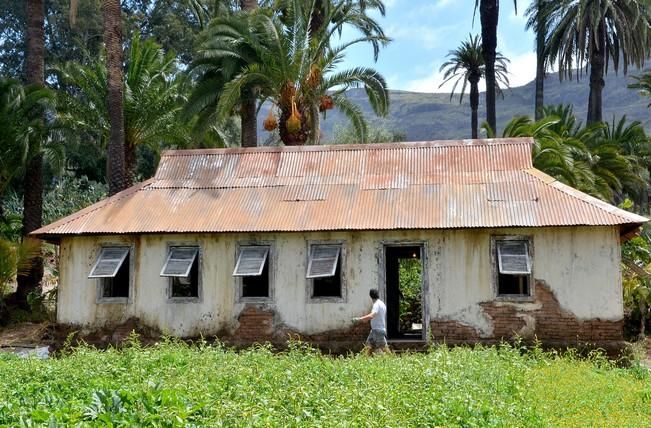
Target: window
pixel 113 269
pixel 182 267
pixel 324 269
pixel 253 267
pixel 513 267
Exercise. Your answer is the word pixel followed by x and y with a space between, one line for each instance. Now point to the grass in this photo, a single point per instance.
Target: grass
pixel 174 384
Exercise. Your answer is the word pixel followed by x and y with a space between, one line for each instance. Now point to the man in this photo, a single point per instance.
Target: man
pixel 377 338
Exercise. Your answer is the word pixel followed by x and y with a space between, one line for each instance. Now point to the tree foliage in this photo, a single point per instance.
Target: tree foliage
pixel 288 65
pixel 592 158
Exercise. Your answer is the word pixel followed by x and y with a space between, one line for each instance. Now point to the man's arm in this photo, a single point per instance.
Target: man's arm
pixel 366 317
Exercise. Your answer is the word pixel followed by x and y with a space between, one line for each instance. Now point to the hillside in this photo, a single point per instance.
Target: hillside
pixel 424 116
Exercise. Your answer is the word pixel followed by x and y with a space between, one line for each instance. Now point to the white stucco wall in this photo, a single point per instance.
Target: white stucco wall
pixel 580 265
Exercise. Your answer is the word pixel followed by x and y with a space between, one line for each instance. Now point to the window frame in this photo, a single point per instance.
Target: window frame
pixel 239 280
pixel 496 271
pixel 170 279
pixel 343 298
pixel 99 287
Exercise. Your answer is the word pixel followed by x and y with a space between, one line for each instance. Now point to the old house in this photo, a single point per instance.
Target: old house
pixel 254 244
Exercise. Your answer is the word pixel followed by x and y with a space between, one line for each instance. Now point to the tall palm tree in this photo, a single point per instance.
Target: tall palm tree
pixel 154 93
pixel 537 13
pixel 113 42
pixel 290 68
pixel 595 33
pixel 33 179
pixel 488 15
pixel 466 65
pixel 248 108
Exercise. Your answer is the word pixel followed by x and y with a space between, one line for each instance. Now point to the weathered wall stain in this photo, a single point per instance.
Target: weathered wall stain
pixel 578 287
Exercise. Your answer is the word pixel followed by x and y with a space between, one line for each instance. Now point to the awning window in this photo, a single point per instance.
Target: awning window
pixel 513 257
pixel 323 261
pixel 109 262
pixel 251 260
pixel 179 261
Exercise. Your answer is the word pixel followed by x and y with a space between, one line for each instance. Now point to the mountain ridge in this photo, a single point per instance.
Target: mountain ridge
pixel 432 116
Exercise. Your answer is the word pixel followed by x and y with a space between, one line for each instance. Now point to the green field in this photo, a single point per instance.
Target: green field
pixel 174 384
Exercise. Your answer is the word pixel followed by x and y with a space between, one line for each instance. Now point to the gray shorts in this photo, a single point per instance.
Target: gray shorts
pixel 377 338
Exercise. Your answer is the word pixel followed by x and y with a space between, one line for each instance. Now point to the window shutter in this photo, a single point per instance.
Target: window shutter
pixel 109 262
pixel 251 261
pixel 323 261
pixel 513 257
pixel 179 261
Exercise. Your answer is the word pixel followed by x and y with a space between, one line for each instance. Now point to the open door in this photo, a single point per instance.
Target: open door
pixel 404 292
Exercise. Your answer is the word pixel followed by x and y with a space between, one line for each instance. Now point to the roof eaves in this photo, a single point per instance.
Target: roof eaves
pixel 45 230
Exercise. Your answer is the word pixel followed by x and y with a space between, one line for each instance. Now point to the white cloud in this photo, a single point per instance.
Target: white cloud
pixel 522 69
pixel 425 36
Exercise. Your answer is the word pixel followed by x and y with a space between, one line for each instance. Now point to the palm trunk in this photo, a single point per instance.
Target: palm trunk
pixel 474 106
pixel 248 117
pixel 489 13
pixel 317 19
pixel 33 181
pixel 643 311
pixel 129 163
pixel 597 67
pixel 540 61
pixel 113 41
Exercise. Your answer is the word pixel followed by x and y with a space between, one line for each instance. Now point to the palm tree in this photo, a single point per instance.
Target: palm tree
pixel 290 68
pixel 489 14
pixel 21 127
pixel 341 13
pixel 154 93
pixel 466 65
pixel 248 110
pixel 595 33
pixel 33 179
pixel 537 21
pixel 583 157
pixel 113 42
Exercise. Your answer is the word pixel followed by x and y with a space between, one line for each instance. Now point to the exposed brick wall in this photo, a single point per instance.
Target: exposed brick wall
pixel 549 322
pixel 255 325
pixel 544 318
pixel 258 325
pixel 452 331
pixel 546 321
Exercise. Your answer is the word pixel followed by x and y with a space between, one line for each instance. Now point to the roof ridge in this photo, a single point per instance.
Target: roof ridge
pixel 486 142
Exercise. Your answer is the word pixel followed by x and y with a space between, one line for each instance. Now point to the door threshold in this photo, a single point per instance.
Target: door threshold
pixel 406 340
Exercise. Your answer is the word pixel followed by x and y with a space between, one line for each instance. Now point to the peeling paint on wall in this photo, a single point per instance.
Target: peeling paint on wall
pixel 579 265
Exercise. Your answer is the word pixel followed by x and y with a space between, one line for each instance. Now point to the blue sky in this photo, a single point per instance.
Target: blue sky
pixel 423 31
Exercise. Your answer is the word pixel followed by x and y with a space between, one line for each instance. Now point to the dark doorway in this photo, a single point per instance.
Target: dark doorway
pixel 404 292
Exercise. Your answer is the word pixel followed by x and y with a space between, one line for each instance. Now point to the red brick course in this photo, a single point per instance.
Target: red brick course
pixel 546 320
pixel 549 323
pixel 453 331
pixel 258 325
pixel 552 323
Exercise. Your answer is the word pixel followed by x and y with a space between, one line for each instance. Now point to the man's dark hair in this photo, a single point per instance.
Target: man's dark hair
pixel 374 294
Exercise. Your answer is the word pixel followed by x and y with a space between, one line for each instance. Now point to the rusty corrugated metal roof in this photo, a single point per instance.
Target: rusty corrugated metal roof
pixel 426 185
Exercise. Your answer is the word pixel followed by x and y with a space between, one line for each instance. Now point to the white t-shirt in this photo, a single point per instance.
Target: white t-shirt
pixel 379 321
